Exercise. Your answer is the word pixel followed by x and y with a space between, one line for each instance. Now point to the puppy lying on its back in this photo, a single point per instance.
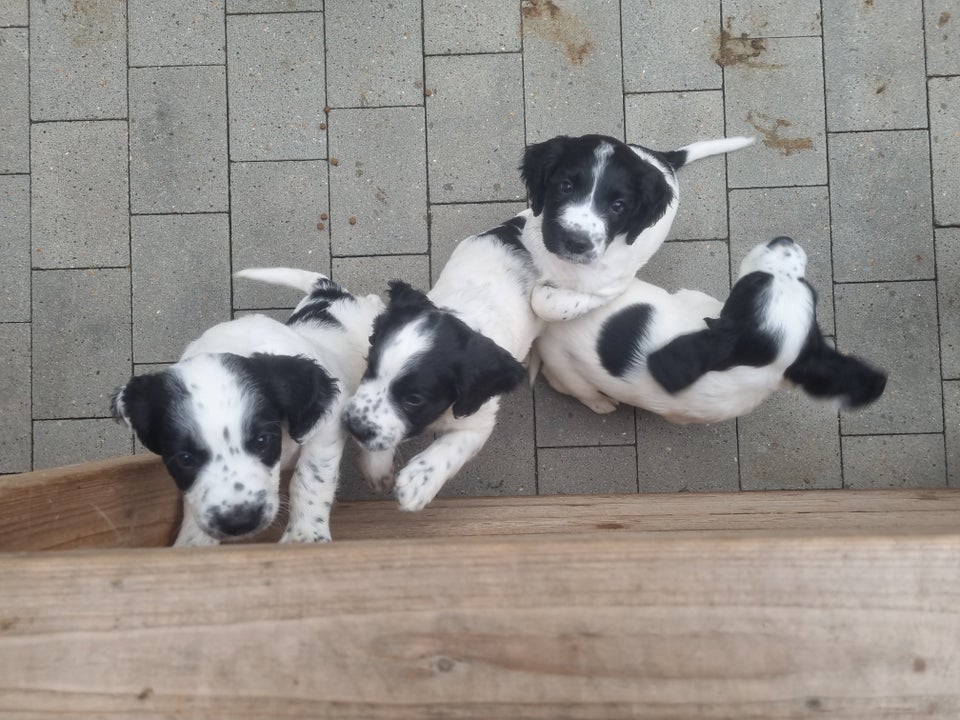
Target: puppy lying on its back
pixel 600 210
pixel 231 412
pixel 689 358
pixel 438 362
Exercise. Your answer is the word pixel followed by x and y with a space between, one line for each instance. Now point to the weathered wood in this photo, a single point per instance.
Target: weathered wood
pixel 598 625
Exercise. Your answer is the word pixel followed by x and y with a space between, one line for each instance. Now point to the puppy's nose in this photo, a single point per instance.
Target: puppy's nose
pixel 578 243
pixel 361 430
pixel 240 520
pixel 780 240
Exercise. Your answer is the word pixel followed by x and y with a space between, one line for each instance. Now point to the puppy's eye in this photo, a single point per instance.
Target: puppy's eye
pixel 566 186
pixel 413 400
pixel 185 460
pixel 618 206
pixel 260 441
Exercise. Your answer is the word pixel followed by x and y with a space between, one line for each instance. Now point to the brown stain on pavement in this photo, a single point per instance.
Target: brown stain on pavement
pixel 743 51
pixel 772 137
pixel 549 21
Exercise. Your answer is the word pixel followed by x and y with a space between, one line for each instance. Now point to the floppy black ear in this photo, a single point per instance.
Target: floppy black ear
pixel 823 372
pixel 487 370
pixel 303 390
pixel 652 197
pixel 683 360
pixel 538 163
pixel 140 404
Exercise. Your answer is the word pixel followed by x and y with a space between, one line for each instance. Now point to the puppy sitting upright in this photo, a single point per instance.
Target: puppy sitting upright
pixel 601 209
pixel 689 358
pixel 438 362
pixel 231 412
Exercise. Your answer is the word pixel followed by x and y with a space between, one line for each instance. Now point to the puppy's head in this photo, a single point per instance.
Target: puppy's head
pixel 780 257
pixel 423 360
pixel 592 190
pixel 218 421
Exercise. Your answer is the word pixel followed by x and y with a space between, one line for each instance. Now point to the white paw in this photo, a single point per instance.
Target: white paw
pixel 417 484
pixel 305 532
pixel 601 405
pixel 377 469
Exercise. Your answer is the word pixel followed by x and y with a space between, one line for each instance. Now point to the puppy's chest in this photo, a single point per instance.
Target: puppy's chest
pixel 787 310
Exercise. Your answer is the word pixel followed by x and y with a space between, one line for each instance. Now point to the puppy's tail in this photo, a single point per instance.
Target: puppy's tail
pixel 705 148
pixel 303 280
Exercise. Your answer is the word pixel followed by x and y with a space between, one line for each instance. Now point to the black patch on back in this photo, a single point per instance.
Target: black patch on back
pixel 620 343
pixel 509 234
pixel 316 308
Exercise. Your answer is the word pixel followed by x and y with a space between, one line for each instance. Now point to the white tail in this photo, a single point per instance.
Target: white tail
pixel 706 148
pixel 303 280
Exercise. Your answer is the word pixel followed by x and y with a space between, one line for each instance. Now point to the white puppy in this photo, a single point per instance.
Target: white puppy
pixel 690 358
pixel 438 362
pixel 229 415
pixel 601 209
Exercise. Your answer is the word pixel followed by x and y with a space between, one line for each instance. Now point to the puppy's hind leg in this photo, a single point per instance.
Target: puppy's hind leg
pixel 575 386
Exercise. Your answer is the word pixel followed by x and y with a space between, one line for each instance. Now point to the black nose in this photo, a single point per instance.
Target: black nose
pixel 780 240
pixel 578 244
pixel 361 430
pixel 239 520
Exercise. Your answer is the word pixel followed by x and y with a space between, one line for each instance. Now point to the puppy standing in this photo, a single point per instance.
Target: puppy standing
pixel 438 362
pixel 229 415
pixel 600 210
pixel 690 358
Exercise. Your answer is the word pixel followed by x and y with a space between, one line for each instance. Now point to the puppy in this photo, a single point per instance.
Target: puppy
pixel 601 209
pixel 243 399
pixel 690 358
pixel 438 362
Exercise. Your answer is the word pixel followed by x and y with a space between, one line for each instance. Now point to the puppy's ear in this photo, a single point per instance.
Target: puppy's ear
pixel 140 405
pixel 652 197
pixel 824 373
pixel 486 370
pixel 682 361
pixel 404 295
pixel 303 390
pixel 539 161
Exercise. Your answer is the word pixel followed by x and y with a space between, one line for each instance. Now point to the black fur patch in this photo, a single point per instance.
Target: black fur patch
pixel 825 373
pixel 621 341
pixel 509 234
pixel 316 309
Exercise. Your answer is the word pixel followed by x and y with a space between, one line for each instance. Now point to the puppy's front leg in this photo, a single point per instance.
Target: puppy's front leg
pixel 420 481
pixel 377 469
pixel 313 488
pixel 556 304
pixel 190 534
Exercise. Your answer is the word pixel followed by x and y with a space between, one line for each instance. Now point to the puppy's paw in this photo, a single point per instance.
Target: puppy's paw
pixel 306 533
pixel 600 405
pixel 417 484
pixel 377 469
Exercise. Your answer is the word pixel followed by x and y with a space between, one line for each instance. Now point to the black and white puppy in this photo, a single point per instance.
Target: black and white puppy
pixel 243 399
pixel 601 209
pixel 690 358
pixel 439 361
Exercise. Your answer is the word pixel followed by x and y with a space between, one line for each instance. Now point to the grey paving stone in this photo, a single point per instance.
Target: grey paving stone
pixel 449 224
pixel 695 265
pixel 769 18
pixel 80 200
pixel 475 123
pixel 672 120
pixel 586 470
pixel 276 221
pixel 178 139
pixel 15 248
pixel 175 32
pixel 874 66
pixel 507 465
pixel 951 407
pixel 270 6
pixel 686 458
pixel 564 421
pixel 78 63
pixel 474 26
pixel 276 84
pixel 13 13
pixel 803 213
pixel 181 281
pixel 941 19
pixel 15 108
pixel 790 442
pixel 378 180
pixel 14 397
pixel 894 326
pixel 687 62
pixel 774 91
pixel 893 461
pixel 945 148
pixel 81 340
pixel 572 75
pixel 948 293
pixel 64 442
pixel 378 50
pixel 365 275
pixel 880 204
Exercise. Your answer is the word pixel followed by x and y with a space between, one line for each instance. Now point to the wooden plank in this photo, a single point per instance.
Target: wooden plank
pixel 132 502
pixel 597 625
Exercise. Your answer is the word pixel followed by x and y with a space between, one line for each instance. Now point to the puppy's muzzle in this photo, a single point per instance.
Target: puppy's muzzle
pixel 239 520
pixel 578 247
pixel 781 240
